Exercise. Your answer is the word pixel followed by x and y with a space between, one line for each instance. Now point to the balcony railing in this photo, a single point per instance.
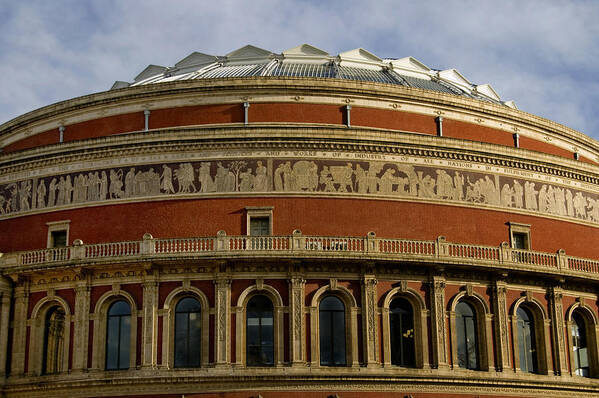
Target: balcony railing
pixel 298 245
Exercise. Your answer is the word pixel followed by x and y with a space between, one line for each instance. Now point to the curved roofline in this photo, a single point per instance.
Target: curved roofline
pixel 59 112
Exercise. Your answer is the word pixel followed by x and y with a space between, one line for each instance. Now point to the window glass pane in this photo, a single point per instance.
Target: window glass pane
pixel 112 343
pixel 332 332
pixel 259 332
pixel 259 226
pixel 402 333
pixel 59 238
pixel 466 336
pixel 526 341
pixel 579 340
pixel 125 341
pixel 188 324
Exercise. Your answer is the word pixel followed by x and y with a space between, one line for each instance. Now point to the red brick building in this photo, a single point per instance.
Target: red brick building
pixel 297 224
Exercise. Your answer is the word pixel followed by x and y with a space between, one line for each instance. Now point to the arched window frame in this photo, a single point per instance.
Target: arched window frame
pixel 38 328
pixel 100 318
pixel 240 322
pixel 592 331
pixel 484 329
pixel 420 326
pixel 542 326
pixel 168 325
pixel 351 323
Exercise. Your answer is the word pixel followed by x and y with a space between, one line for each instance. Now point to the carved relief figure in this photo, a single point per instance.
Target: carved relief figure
pixel 543 199
pixel 166 180
pixel 530 196
pixel 25 194
pixel 246 180
pixel 327 180
pixel 304 175
pixel 426 186
pixel 342 175
pixel 518 195
pixel 129 182
pixel 386 181
pixel 261 180
pixel 458 181
pixel 569 203
pixel 580 204
pixel 103 186
pixel 185 176
pixel 52 192
pixel 593 209
pixel 2 204
pixel 445 188
pixel 116 184
pixel 361 184
pixel 371 176
pixel 507 193
pixel 41 194
pixel 206 181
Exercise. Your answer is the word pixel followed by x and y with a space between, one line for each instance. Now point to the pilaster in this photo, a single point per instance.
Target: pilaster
pixel 438 322
pixel 296 321
pixel 149 348
pixel 81 323
pixel 222 352
pixel 6 292
pixel 369 320
pixel 501 325
pixel 557 330
pixel 20 328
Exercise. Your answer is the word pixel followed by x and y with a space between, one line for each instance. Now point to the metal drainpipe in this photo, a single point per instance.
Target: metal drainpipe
pixel 348 114
pixel 60 133
pixel 439 120
pixel 246 106
pixel 517 140
pixel 146 119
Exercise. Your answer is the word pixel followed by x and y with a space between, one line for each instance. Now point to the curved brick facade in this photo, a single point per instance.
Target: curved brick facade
pixel 405 194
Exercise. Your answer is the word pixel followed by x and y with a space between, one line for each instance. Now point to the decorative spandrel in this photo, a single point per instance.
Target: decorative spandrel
pixel 282 176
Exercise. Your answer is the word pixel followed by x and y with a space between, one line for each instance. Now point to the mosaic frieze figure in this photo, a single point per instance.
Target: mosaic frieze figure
pixel 294 176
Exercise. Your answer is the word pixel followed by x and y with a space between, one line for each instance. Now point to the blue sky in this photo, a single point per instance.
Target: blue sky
pixel 544 55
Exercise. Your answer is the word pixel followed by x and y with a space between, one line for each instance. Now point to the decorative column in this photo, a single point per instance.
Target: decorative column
pixel 222 353
pixel 6 292
pixel 81 323
pixel 369 320
pixel 149 349
pixel 20 328
pixel 557 324
pixel 296 321
pixel 438 323
pixel 501 325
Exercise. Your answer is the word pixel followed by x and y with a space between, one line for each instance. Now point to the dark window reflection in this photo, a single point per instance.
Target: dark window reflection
pixel 188 336
pixel 118 336
pixel 526 340
pixel 579 345
pixel 53 341
pixel 466 336
pixel 259 332
pixel 402 333
pixel 332 332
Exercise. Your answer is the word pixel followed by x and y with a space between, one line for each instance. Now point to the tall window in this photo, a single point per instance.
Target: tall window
pixel 466 336
pixel 53 341
pixel 188 336
pixel 118 336
pixel 332 332
pixel 579 345
pixel 526 340
pixel 259 332
pixel 402 333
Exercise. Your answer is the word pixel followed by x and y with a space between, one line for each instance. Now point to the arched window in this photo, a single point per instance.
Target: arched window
pixel 332 332
pixel 526 340
pixel 118 336
pixel 402 333
pixel 188 336
pixel 466 331
pixel 579 345
pixel 54 330
pixel 259 332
